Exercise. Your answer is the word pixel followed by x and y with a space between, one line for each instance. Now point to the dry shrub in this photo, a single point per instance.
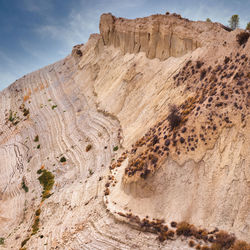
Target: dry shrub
pixel 184 228
pixel 199 64
pixel 191 243
pixel 224 240
pixel 88 148
pixel 241 245
pixel 205 248
pixel 242 37
pixel 173 224
pixel 174 117
pixel 203 74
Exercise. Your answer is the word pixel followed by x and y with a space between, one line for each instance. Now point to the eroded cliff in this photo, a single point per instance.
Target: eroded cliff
pixel 108 135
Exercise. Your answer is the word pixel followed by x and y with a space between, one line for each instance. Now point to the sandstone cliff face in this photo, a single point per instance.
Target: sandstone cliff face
pixel 106 111
pixel 159 36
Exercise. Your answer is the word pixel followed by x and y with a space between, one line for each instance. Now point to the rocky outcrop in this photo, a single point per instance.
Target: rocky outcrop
pixel 159 36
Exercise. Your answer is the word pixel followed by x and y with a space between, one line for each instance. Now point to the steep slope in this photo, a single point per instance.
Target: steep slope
pixel 96 126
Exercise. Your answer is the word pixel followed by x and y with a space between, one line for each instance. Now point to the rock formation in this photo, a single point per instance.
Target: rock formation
pixel 148 124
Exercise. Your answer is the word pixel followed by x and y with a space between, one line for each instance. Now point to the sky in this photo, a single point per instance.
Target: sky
pixel 35 33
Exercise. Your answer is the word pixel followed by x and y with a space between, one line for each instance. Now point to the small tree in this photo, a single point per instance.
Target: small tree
pixel 248 26
pixel 234 22
pixel 208 20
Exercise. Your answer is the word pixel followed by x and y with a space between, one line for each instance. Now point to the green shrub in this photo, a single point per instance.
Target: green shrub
pixel 38 146
pixel 1 240
pixel 36 138
pixel 47 181
pixel 24 187
pixel 39 171
pixel 35 226
pixel 54 106
pixel 115 148
pixel 11 118
pixel 63 159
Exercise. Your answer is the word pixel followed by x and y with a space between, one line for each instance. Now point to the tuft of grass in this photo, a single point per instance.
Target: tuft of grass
pixel 63 159
pixel 11 118
pixel 115 148
pixel 36 138
pixel 90 171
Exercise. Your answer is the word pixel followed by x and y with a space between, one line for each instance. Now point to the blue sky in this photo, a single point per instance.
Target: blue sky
pixel 35 33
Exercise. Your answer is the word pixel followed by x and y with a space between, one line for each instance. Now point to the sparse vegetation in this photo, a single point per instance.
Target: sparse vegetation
pixel 62 159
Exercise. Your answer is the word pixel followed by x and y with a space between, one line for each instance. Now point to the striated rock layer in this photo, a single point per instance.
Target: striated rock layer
pixel 104 137
pixel 159 36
